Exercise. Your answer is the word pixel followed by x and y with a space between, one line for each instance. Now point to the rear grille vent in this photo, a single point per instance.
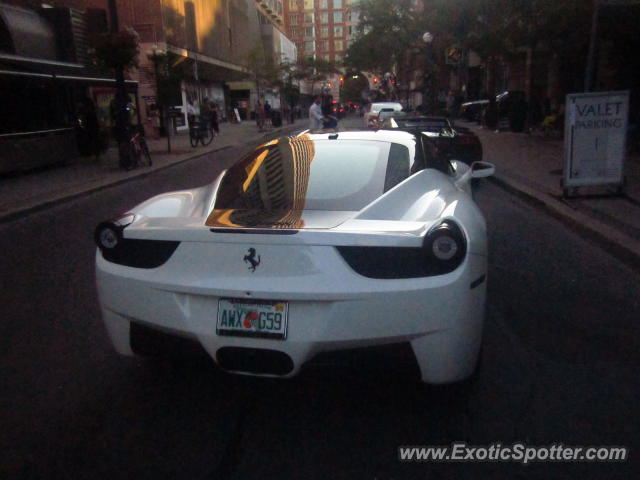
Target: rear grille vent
pixel 254 360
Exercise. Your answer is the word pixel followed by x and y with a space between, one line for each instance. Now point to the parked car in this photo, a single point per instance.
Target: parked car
pixel 511 107
pixel 338 110
pixel 308 245
pixel 453 141
pixel 371 115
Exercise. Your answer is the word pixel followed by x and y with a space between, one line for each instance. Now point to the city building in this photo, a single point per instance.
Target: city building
pixel 45 77
pixel 45 51
pixel 321 29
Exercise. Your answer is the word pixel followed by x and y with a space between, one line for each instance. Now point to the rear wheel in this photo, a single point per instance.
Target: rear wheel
pixel 193 137
pixel 206 136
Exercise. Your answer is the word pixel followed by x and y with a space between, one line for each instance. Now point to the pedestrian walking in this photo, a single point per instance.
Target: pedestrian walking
pixel 259 113
pixel 315 114
pixel 267 112
pixel 192 112
pixel 205 111
pixel 89 142
pixel 214 118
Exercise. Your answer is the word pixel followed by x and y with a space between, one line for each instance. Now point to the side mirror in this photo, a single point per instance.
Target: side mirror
pixel 482 169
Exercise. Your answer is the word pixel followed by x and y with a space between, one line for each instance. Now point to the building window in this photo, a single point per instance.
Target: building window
pixel 326 57
pixel 308 47
pixel 324 3
pixel 308 31
pixel 324 32
pixel 308 18
pixel 337 57
pixel 324 17
pixel 293 4
pixel 308 4
pixel 338 45
pixel 337 3
pixel 295 31
pixel 337 17
pixel 321 45
pixel 293 19
pixel 338 31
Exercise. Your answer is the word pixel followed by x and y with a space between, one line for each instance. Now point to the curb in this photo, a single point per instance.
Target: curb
pixel 45 204
pixel 619 245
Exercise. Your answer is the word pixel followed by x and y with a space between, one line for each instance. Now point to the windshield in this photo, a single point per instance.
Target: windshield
pixel 298 173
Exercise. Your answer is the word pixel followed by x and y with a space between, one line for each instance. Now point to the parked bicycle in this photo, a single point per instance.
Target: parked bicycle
pixel 200 131
pixel 135 152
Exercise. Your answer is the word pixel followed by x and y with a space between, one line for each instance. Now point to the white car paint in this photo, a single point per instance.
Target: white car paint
pixel 330 306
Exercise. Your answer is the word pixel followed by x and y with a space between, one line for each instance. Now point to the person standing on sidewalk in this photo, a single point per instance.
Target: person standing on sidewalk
pixel 315 114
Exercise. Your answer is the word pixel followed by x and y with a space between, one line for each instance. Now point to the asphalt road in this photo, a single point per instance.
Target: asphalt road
pixel 561 364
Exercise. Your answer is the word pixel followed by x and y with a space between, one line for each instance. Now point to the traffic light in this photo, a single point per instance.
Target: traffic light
pixel 341 79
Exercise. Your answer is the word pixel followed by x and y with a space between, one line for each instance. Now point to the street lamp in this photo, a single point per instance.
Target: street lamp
pixel 427 38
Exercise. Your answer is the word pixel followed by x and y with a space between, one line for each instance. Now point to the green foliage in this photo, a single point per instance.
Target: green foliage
pixel 388 28
pixel 500 27
pixel 115 50
pixel 262 69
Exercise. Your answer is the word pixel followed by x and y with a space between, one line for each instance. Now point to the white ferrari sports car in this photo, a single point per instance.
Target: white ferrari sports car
pixel 310 244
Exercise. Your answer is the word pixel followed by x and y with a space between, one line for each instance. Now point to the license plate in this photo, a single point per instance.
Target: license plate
pixel 246 318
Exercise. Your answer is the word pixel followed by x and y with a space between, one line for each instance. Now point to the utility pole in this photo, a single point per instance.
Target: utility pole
pixel 121 100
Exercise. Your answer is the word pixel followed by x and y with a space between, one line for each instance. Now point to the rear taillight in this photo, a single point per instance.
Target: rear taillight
pixel 443 250
pixel 131 252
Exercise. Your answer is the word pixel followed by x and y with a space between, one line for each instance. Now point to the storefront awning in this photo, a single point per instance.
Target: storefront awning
pixel 25 33
pixel 36 67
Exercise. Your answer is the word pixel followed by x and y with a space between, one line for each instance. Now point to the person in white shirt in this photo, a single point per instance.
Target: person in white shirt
pixel 315 115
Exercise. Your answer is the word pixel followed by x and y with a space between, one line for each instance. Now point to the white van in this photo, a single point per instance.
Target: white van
pixel 372 114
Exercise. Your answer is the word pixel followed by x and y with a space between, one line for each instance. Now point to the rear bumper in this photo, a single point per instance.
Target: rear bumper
pixel 440 317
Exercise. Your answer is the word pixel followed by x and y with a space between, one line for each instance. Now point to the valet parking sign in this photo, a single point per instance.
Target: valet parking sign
pixel 595 138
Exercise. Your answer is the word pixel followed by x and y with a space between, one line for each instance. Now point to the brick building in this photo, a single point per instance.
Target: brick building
pixel 321 29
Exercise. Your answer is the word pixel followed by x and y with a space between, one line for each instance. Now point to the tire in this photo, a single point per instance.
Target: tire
pixel 206 137
pixel 145 152
pixel 193 137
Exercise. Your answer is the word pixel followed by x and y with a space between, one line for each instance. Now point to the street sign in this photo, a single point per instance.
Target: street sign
pixel 595 138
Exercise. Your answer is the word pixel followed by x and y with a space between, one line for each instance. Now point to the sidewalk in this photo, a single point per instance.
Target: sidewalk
pixel 531 166
pixel 24 193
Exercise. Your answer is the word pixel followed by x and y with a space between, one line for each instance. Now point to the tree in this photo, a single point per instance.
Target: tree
pixel 503 28
pixel 262 69
pixel 316 70
pixel 116 50
pixel 388 29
